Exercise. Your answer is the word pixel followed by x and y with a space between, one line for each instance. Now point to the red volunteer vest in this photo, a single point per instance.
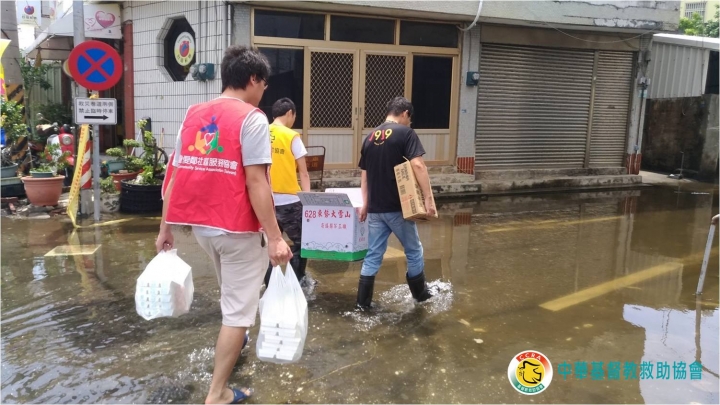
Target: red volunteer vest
pixel 210 187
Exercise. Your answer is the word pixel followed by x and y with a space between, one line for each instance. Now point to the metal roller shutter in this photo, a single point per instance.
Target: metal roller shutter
pixel 610 109
pixel 533 107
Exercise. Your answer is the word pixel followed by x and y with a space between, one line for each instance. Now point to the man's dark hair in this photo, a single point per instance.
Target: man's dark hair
pixel 282 106
pixel 239 64
pixel 398 105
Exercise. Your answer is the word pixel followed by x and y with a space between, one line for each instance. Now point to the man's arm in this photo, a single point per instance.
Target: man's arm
pixel 304 175
pixel 262 203
pixel 165 239
pixel 261 199
pixel 423 179
pixel 363 189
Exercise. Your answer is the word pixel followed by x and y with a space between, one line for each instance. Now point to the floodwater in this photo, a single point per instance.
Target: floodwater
pixel 587 277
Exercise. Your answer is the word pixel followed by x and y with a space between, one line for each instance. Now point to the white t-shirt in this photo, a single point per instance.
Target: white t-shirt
pixel 255 141
pixel 298 150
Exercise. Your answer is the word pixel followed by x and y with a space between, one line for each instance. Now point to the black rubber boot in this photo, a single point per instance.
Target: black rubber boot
pixel 418 287
pixel 365 292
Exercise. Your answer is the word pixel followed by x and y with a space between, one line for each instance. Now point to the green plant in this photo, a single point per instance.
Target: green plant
pixel 33 74
pixel 152 168
pixel 52 159
pixel 55 112
pixel 132 163
pixel 107 186
pixel 12 123
pixel 697 27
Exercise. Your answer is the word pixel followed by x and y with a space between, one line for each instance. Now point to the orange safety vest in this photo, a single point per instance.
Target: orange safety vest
pixel 210 187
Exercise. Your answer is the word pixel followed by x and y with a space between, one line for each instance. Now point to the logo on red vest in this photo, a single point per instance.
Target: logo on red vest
pixel 207 139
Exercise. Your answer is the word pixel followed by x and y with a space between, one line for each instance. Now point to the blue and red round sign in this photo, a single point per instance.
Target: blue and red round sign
pixel 95 65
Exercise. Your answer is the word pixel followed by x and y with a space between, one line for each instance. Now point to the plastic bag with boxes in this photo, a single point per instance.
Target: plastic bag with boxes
pixel 165 288
pixel 283 319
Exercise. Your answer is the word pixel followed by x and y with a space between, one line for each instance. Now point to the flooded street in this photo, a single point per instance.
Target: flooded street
pixel 587 277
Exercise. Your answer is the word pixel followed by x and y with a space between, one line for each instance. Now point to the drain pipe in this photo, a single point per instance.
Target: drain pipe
pixel 639 132
pixel 229 14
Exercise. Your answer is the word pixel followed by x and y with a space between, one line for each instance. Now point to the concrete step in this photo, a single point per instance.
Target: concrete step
pixel 349 173
pixel 345 182
pixel 554 183
pixel 525 174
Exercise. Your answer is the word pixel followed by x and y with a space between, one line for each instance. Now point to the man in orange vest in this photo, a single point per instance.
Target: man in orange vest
pixel 221 188
pixel 288 156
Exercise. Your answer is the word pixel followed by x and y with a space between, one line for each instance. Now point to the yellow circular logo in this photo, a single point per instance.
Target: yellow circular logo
pixel 530 372
pixel 184 48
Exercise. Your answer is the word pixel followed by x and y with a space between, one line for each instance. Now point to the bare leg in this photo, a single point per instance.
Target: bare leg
pixel 227 351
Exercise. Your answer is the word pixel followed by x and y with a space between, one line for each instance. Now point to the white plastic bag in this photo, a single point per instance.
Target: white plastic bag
pixel 165 288
pixel 283 319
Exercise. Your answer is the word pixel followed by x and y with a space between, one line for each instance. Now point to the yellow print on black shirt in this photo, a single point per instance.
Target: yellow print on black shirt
pixel 379 137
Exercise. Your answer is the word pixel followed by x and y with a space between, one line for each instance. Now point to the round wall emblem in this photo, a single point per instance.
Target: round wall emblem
pixel 184 48
pixel 530 372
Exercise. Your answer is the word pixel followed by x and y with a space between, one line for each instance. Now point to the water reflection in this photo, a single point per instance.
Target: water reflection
pixel 70 332
pixel 674 336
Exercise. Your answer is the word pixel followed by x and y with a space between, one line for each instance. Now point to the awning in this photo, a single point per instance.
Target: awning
pixel 56 41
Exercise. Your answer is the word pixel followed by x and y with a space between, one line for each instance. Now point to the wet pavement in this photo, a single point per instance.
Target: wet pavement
pixel 585 277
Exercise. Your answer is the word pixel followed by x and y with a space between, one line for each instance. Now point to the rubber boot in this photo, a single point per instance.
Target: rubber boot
pixel 365 292
pixel 418 287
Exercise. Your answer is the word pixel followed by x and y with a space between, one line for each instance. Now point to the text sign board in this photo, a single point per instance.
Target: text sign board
pixel 95 65
pixel 100 111
pixel 331 227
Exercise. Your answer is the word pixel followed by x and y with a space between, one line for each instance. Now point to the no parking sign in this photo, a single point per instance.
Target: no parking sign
pixel 95 65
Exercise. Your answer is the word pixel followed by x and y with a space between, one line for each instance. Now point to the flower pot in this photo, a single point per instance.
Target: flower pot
pixel 109 203
pixel 137 199
pixel 41 175
pixel 115 166
pixel 9 171
pixel 42 191
pixel 119 177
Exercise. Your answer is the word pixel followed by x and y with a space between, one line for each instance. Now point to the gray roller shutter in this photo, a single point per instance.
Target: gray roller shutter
pixel 610 109
pixel 533 107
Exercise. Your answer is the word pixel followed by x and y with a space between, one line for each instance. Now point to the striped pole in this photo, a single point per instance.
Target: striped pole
pixel 86 176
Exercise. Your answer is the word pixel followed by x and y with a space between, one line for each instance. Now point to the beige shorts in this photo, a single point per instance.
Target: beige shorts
pixel 240 261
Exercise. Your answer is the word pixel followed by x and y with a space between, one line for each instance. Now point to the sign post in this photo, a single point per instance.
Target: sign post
pixel 96 66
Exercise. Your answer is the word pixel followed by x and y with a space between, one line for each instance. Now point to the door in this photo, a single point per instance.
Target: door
pixel 333 77
pixel 382 77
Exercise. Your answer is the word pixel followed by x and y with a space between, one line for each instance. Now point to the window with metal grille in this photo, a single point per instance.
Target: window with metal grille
pixel 696 7
pixel 431 87
pixel 356 29
pixel 289 25
pixel 331 90
pixel 286 80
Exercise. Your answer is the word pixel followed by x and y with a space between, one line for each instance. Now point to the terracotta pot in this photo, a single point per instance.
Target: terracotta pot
pixel 118 177
pixel 43 191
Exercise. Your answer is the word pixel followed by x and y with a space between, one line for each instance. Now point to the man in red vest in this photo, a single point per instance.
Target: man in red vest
pixel 220 187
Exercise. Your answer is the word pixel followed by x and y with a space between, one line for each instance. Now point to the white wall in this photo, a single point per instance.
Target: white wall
pixel 659 15
pixel 156 95
pixel 470 61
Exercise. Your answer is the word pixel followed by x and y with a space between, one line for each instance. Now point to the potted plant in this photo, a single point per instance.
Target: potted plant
pixel 109 196
pixel 13 128
pixel 126 165
pixel 43 187
pixel 144 193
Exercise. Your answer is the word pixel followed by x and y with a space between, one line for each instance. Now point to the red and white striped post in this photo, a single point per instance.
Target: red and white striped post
pixel 86 174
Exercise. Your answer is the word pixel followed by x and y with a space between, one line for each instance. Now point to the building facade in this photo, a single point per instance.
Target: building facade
pixel 496 85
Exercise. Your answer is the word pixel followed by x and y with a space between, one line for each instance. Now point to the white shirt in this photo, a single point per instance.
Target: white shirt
pixel 255 141
pixel 298 151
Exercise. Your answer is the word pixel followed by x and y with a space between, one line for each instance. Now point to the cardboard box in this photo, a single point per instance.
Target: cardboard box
pixel 331 226
pixel 411 196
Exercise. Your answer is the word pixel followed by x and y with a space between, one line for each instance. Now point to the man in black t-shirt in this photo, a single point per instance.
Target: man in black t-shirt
pixel 387 146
